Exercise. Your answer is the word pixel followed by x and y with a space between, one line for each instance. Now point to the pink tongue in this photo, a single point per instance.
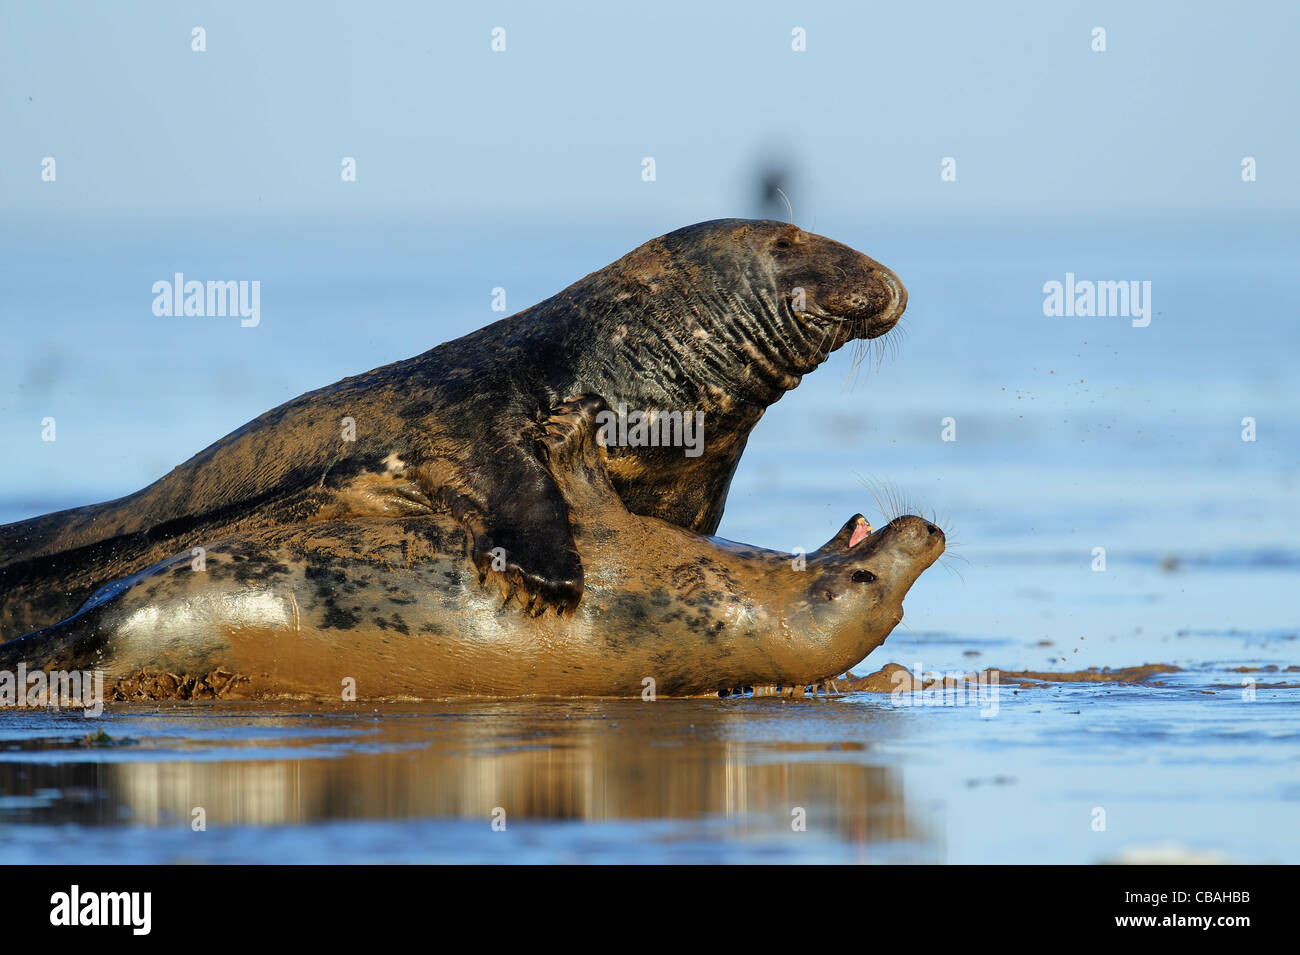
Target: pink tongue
pixel 859 534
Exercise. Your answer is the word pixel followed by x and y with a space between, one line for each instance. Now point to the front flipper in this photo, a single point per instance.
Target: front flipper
pixel 518 523
pixel 522 506
pixel 577 461
pixel 525 538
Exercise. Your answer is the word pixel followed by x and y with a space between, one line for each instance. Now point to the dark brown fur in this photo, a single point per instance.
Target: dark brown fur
pixel 702 319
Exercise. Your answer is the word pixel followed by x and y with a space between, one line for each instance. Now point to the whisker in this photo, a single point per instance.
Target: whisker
pixel 951 569
pixel 789 208
pixel 873 352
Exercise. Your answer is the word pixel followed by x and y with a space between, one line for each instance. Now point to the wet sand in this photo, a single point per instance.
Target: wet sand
pixel 666 781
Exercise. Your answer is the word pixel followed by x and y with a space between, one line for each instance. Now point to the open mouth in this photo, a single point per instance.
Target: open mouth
pixel 860 533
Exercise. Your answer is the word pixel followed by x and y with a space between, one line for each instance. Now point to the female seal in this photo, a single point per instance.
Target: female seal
pixel 397 608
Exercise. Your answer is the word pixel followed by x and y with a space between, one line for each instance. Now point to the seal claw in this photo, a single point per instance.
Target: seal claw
pixel 569 433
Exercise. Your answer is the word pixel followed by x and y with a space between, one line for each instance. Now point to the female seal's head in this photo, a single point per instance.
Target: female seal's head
pixel 857 582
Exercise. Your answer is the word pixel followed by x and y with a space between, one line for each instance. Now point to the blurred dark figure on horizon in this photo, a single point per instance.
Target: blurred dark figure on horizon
pixel 774 186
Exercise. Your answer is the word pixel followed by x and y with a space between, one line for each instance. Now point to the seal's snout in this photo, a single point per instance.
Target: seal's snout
pixel 868 300
pixel 894 302
pixel 917 534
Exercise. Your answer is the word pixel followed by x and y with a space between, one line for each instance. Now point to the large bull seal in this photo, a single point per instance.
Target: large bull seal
pixel 722 318
pixel 394 608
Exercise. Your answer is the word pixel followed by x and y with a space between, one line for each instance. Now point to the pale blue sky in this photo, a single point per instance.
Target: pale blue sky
pixel 143 127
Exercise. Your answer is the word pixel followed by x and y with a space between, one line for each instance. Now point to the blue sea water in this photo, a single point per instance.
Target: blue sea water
pixel 1071 434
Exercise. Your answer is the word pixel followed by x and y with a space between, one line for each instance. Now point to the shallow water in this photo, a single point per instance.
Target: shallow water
pixel 1071 435
pixel 669 781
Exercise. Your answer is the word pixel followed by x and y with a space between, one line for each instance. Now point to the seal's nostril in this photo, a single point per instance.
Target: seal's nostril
pixel 934 530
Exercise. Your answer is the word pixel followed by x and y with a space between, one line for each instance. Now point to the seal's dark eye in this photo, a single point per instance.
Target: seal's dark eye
pixel 783 243
pixel 863 576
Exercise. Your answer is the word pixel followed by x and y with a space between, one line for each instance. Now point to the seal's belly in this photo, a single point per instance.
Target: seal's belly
pixel 391 609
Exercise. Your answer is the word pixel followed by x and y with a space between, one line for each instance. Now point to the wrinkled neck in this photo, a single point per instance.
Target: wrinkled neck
pixel 673 342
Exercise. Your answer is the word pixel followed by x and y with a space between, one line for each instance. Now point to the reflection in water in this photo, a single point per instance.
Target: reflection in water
pixel 740 770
